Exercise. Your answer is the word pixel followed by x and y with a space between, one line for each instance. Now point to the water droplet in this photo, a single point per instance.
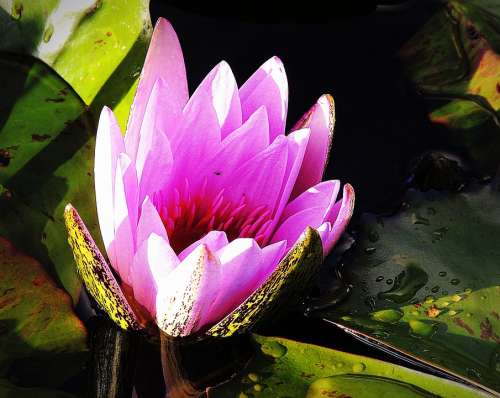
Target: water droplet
pixel 456 298
pixel 417 219
pixel 273 349
pixel 422 328
pixel 258 387
pixel 435 289
pixel 438 234
pixel 455 281
pixel 406 284
pixel 373 236
pixel 253 377
pixel 473 373
pixel 358 367
pixel 47 34
pixel 468 315
pixel 483 297
pixel 442 273
pixel 389 315
pixel 379 278
pixel 370 250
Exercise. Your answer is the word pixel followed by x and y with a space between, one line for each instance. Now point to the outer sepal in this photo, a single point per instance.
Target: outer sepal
pixel 96 274
pixel 292 275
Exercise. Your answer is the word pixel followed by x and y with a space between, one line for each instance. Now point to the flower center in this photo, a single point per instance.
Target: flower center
pixel 189 216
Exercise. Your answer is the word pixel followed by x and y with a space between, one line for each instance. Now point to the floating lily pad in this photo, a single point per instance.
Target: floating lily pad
pixel 426 283
pixel 42 343
pixel 97 46
pixel 46 161
pixel 285 368
pixel 454 61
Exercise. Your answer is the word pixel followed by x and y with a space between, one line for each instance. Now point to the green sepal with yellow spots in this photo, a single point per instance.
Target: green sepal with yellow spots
pixel 293 274
pixel 96 274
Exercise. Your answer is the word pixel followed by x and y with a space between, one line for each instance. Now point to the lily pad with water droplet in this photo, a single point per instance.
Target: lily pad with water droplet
pixel 447 291
pixel 311 371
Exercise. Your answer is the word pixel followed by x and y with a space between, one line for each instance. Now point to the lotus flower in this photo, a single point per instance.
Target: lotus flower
pixel 205 196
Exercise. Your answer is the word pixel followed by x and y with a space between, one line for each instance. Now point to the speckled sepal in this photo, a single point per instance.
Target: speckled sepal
pixel 96 274
pixel 293 274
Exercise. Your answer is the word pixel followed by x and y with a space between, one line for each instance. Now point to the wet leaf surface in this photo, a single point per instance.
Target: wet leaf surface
pixel 425 282
pixel 285 368
pixel 46 161
pixel 97 46
pixel 42 342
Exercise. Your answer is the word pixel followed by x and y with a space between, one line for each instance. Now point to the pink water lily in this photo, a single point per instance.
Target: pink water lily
pixel 205 195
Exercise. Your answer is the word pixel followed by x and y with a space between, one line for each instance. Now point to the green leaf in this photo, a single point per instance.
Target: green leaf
pixel 43 344
pixel 454 62
pixel 285 368
pixel 46 161
pixel 426 283
pixel 97 46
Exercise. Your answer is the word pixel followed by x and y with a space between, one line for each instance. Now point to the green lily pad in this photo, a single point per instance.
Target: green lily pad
pixel 46 161
pixel 97 46
pixel 426 283
pixel 42 342
pixel 285 368
pixel 454 61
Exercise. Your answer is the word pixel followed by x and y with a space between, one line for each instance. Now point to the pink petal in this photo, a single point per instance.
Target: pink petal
pixel 260 179
pixel 244 267
pixel 188 294
pixel 198 135
pixel 149 223
pixel 309 209
pixel 297 143
pixel 226 100
pixel 163 60
pixel 320 120
pixel 109 144
pixel 268 86
pixel 237 148
pixel 153 262
pixel 154 156
pixel 291 229
pixel 125 217
pixel 321 195
pixel 214 240
pixel 324 233
pixel 340 217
